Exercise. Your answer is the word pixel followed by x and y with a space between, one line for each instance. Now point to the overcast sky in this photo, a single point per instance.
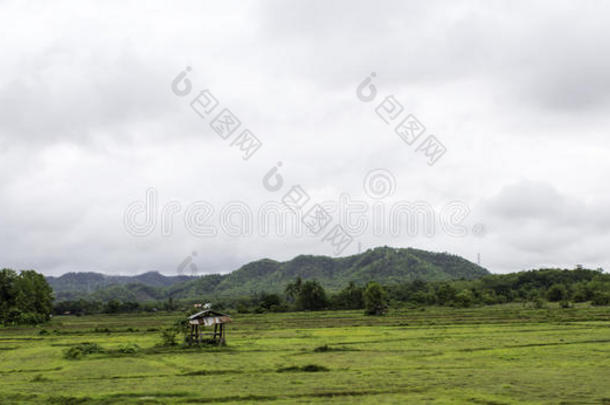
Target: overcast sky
pixel 517 92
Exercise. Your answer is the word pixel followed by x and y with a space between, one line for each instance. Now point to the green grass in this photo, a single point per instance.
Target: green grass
pixel 492 355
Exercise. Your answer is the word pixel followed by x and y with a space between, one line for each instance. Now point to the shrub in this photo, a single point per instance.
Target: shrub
pixel 538 303
pixel 270 300
pixel 168 336
pixel 310 368
pixel 39 378
pixel 600 298
pixel 129 348
pixel 81 350
pixel 327 348
pixel 557 292
pixel 464 299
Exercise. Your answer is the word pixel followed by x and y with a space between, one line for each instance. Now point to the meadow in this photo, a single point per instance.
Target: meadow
pixel 500 354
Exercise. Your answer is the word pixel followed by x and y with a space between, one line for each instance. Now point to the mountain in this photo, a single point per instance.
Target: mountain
pixel 385 265
pixel 75 285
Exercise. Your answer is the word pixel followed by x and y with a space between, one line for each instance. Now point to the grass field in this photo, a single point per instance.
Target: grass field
pixel 491 355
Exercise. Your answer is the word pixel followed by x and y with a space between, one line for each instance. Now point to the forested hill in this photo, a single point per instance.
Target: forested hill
pixel 384 264
pixel 71 285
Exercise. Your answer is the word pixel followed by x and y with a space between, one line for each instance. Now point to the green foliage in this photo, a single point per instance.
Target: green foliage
pixel 600 298
pixel 129 348
pixel 39 378
pixel 168 336
pixel 25 298
pixel 538 303
pixel 517 354
pixel 557 292
pixel 464 299
pixel 578 285
pixel 386 265
pixel 82 349
pixel 351 297
pixel 312 297
pixel 270 301
pixel 375 299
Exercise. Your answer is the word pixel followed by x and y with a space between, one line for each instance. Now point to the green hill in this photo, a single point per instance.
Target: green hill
pixel 385 265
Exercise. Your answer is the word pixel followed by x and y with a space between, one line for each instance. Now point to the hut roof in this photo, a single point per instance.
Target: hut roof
pixel 209 317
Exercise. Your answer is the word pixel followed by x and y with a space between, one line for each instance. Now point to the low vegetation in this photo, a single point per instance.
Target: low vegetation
pixel 500 354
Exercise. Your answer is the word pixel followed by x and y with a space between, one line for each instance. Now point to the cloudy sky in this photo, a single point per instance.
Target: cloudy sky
pixel 517 93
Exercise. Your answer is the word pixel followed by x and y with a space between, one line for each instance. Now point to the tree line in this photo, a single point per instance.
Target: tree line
pixel 536 287
pixel 25 297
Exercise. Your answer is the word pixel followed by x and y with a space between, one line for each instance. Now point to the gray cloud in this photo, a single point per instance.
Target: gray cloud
pixel 517 93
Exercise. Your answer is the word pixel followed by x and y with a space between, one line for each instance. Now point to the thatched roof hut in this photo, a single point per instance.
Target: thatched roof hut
pixel 209 317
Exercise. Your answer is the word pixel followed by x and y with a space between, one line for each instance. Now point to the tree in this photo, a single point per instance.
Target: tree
pixel 25 297
pixel 464 298
pixel 312 296
pixel 351 297
pixel 269 301
pixel 293 289
pixel 375 299
pixel 446 294
pixel 557 292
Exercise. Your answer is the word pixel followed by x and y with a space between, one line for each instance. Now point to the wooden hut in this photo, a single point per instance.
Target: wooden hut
pixel 208 317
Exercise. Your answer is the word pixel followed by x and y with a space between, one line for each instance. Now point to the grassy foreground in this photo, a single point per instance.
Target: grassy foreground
pixel 492 355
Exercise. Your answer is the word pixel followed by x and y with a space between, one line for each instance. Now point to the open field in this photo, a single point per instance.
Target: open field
pixel 489 355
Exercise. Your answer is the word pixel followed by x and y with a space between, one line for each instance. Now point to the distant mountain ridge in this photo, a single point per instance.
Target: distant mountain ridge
pixel 73 285
pixel 385 265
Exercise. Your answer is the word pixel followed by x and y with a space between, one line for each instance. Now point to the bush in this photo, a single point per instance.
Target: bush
pixel 557 292
pixel 81 350
pixel 600 298
pixel 375 299
pixel 538 303
pixel 310 368
pixel 464 299
pixel 129 348
pixel 327 348
pixel 168 336
pixel 270 300
pixel 39 378
pixel 351 297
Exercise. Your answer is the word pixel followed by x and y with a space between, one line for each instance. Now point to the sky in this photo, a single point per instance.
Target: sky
pixel 114 157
